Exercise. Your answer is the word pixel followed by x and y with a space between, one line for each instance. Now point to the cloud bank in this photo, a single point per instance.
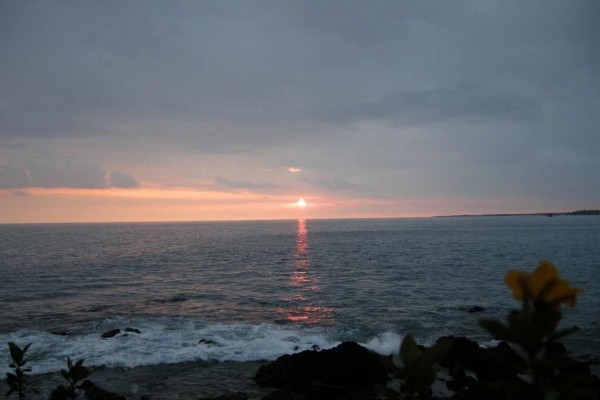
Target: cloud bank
pixel 470 99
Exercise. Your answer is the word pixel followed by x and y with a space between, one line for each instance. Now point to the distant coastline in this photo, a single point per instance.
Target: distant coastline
pixel 541 214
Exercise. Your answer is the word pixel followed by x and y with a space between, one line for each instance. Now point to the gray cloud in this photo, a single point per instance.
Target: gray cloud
pixel 231 184
pixel 273 64
pixel 121 180
pixel 12 146
pixel 63 174
pixel 434 106
pixel 11 177
pixel 333 183
pixel 408 96
pixel 69 174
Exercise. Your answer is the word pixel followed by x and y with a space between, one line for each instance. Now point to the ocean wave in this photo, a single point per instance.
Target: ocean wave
pixel 162 343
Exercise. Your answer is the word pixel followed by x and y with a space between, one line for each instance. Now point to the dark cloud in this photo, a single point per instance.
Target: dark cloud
pixel 121 180
pixel 231 184
pixel 68 174
pixel 334 184
pixel 88 70
pixel 11 177
pixel 408 96
pixel 63 174
pixel 469 104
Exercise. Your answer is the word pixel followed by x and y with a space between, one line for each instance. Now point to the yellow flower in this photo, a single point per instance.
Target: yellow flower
pixel 542 285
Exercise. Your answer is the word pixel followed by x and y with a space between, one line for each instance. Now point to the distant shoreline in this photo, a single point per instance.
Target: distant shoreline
pixel 541 214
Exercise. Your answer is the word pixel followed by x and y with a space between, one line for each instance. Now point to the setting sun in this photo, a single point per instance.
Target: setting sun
pixel 300 203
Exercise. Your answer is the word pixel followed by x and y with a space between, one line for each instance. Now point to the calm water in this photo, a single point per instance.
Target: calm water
pixel 262 289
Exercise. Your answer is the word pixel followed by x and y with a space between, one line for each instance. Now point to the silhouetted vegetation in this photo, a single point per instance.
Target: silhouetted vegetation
pixel 532 331
pixel 75 373
pixel 18 380
pixel 417 366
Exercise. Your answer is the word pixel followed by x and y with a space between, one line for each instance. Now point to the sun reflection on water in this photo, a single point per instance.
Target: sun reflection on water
pixel 305 283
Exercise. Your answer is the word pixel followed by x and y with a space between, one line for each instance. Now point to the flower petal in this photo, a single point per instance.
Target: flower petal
pixel 544 273
pixel 514 280
pixel 562 292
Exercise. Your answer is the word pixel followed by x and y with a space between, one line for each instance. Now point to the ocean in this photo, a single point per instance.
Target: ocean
pixel 219 292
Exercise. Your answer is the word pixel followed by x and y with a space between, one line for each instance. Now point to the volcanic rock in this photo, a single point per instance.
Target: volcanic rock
pixel 95 392
pixel 111 333
pixel 326 373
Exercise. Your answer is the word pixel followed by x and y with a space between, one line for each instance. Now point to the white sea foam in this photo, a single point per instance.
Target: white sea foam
pixel 165 343
pixel 386 344
pixel 161 344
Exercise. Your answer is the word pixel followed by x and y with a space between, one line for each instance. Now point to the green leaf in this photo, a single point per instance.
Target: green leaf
pixel 25 348
pixel 78 373
pixel 15 352
pixel 79 363
pixel 69 363
pixel 409 351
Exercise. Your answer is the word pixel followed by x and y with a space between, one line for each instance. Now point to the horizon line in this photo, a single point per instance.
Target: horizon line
pixel 553 213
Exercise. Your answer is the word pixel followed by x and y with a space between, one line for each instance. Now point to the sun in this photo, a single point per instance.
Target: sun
pixel 300 203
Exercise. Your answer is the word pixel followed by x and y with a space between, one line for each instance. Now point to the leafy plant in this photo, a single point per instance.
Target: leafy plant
pixel 417 366
pixel 75 373
pixel 533 330
pixel 18 381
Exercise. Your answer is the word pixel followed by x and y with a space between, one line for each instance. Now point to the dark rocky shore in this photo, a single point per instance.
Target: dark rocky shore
pixel 348 371
pixel 470 372
pixel 189 380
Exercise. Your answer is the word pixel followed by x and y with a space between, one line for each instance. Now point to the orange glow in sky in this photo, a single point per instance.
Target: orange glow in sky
pixel 156 203
pixel 141 204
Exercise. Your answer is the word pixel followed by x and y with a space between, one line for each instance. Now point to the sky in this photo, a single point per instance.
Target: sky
pixel 229 110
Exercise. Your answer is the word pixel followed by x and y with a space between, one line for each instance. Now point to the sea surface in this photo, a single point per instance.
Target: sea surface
pixel 256 290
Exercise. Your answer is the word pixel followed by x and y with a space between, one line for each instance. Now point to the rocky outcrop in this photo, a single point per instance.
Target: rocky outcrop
pixel 111 333
pixel 349 371
pixel 326 374
pixel 90 390
pixel 475 309
pixel 209 342
pixel 60 393
pixel 466 357
pixel 95 392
